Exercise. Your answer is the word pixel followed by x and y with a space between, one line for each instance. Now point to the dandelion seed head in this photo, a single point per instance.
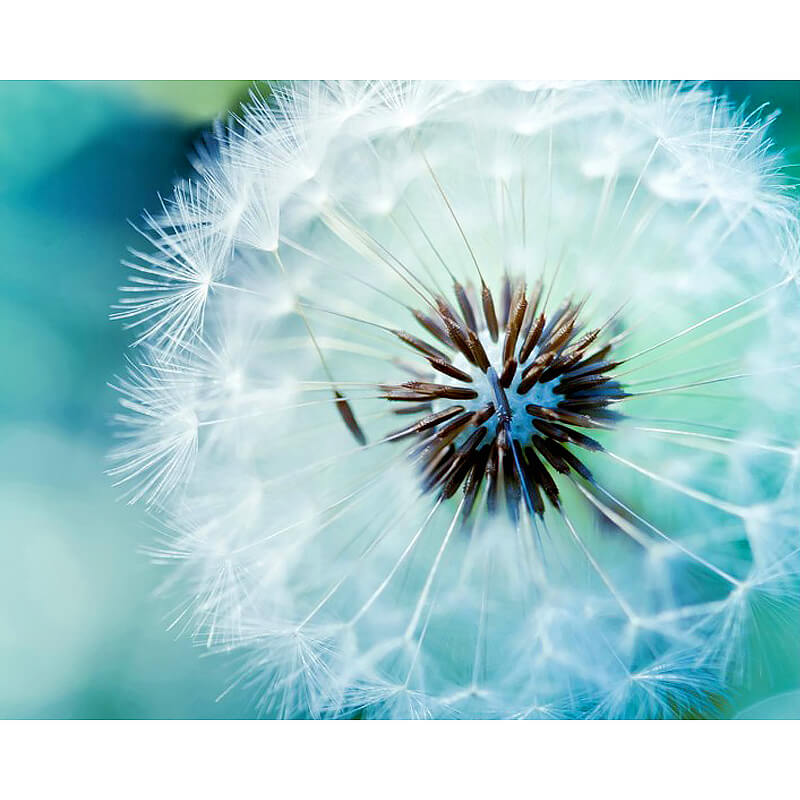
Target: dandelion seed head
pixel 473 399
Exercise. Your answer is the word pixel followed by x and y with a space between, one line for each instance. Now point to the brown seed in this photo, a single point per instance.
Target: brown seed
pixel 404 396
pixel 418 344
pixel 346 412
pixel 569 385
pixel 430 421
pixel 587 339
pixel 428 451
pixel 552 455
pixel 507 375
pixel 489 311
pixel 447 368
pixel 462 462
pixel 589 368
pixel 465 306
pixel 479 354
pixel 527 321
pixel 474 481
pixel 562 434
pixel 561 415
pixel 531 339
pixel 565 362
pixel 437 467
pixel 530 482
pixel 530 377
pixel 542 476
pixel 557 318
pixel 484 414
pixel 457 335
pixel 572 460
pixel 432 326
pixel 515 323
pixel 505 300
pixel 560 458
pixel 561 336
pixel 449 432
pixel 536 295
pixel 438 390
pixel 599 355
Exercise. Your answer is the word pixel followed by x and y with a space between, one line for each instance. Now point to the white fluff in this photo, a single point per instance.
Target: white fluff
pixel 348 589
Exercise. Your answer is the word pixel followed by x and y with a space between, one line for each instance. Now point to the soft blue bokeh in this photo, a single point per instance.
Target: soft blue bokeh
pixel 81 632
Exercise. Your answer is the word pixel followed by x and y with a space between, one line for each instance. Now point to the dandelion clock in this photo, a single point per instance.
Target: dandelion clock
pixel 474 400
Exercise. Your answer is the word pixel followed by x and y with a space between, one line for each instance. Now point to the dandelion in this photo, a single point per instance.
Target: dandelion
pixel 475 400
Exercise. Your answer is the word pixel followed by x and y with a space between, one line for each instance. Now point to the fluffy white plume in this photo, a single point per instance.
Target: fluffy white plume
pixel 628 570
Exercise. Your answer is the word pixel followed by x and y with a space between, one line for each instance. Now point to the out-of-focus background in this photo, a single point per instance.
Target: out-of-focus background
pixel 82 631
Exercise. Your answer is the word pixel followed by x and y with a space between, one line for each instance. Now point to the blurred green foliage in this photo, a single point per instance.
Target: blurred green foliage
pixel 81 632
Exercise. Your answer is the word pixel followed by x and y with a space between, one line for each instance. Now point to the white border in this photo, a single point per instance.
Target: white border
pixel 200 39
pixel 444 760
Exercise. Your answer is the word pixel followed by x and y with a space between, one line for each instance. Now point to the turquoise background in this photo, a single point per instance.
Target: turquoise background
pixel 82 633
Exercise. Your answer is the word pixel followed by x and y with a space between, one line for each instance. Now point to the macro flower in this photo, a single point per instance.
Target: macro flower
pixel 475 400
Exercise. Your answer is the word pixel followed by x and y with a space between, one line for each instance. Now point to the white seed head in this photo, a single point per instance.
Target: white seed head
pixel 474 399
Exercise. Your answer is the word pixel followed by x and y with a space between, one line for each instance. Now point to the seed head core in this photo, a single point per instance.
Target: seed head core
pixel 521 382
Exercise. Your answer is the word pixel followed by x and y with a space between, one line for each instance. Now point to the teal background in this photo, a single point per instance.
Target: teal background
pixel 82 632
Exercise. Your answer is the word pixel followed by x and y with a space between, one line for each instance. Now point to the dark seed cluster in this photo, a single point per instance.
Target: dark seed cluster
pixel 463 444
